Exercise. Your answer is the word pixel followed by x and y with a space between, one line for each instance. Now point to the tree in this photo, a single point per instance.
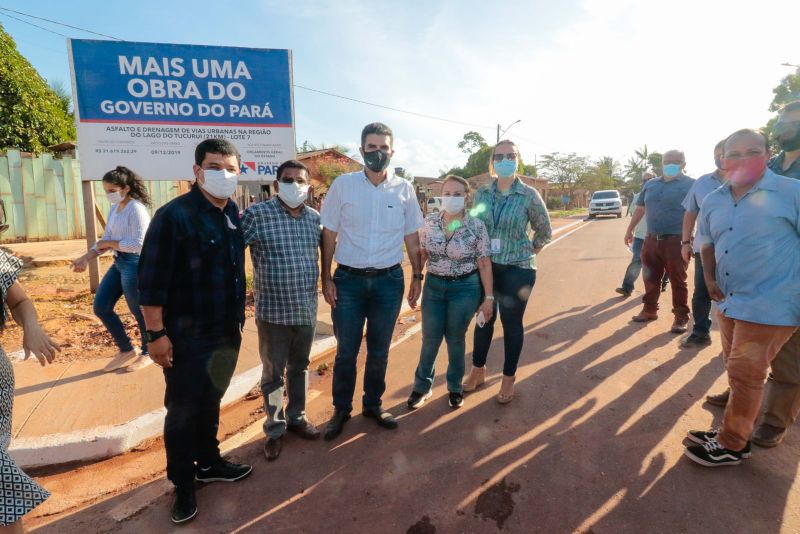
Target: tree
pixel 310 147
pixel 601 175
pixel 64 96
pixel 565 171
pixel 32 117
pixel 786 91
pixel 472 142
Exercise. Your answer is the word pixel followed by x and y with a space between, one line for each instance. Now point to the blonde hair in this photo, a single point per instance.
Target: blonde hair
pixel 491 156
pixel 462 181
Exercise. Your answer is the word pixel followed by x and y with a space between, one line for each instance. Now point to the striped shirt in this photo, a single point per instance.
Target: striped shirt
pixel 285 254
pixel 371 221
pixel 510 219
pixel 127 226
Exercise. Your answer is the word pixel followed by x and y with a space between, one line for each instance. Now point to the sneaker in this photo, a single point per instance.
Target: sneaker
pixel 381 416
pixel 624 292
pixel 223 471
pixel 693 341
pixel 120 360
pixel 185 506
pixel 712 454
pixel 417 399
pixel 456 399
pixel 144 360
pixel 701 437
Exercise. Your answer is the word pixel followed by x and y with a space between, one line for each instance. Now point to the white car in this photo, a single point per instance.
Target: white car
pixel 605 203
pixel 434 204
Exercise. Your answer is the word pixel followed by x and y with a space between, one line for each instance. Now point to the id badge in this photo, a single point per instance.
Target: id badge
pixel 497 245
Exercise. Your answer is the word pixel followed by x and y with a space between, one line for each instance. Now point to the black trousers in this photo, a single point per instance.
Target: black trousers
pixel 200 374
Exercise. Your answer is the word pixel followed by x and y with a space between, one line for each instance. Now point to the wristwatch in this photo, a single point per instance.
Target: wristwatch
pixel 418 276
pixel 152 335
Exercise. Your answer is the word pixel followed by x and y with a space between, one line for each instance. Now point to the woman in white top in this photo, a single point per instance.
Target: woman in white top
pixel 126 226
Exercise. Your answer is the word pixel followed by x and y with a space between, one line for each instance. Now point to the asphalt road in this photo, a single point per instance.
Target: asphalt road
pixel 593 441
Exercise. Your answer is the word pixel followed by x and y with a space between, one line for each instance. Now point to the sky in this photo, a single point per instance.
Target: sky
pixel 595 77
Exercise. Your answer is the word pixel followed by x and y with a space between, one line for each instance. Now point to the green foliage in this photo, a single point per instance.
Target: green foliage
pixel 787 91
pixel 472 142
pixel 329 170
pixel 32 116
pixel 310 147
pixel 564 171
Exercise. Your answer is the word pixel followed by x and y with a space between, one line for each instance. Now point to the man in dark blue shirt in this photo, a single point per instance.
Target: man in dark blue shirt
pixel 192 292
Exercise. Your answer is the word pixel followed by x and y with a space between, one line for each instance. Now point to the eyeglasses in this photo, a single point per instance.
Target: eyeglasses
pixel 499 157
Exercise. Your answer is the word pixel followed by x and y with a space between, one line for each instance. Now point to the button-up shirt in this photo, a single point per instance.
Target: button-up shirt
pixel 640 230
pixel 662 203
pixel 694 199
pixel 757 246
pixel 457 254
pixel 285 252
pixel 776 166
pixel 127 226
pixel 192 265
pixel 511 218
pixel 371 221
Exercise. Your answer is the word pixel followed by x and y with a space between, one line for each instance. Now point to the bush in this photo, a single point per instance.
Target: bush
pixel 32 117
pixel 554 203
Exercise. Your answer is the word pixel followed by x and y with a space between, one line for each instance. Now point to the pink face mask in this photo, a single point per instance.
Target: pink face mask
pixel 744 171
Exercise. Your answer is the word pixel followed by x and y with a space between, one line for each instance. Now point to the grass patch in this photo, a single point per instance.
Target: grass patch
pixel 557 214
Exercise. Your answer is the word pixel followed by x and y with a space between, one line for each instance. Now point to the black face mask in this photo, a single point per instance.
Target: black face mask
pixel 788 135
pixel 377 160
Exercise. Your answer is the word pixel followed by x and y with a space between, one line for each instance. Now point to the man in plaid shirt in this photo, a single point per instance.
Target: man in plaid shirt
pixel 284 237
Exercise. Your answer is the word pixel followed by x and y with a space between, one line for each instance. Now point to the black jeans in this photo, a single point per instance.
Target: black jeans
pixel 701 301
pixel 512 287
pixel 200 374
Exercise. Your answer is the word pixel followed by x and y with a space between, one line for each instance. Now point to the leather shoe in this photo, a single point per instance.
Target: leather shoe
pixel 624 292
pixel 304 429
pixel 695 342
pixel 768 436
pixel 272 448
pixel 644 317
pixel 679 326
pixel 383 418
pixel 336 424
pixel 720 399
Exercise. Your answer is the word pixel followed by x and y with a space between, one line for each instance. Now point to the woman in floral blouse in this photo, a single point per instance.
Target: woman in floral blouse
pixel 456 248
pixel 510 209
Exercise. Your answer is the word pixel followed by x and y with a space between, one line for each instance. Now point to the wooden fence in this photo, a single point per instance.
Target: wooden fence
pixel 44 201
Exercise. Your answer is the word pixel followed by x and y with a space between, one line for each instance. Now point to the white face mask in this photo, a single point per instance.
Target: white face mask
pixel 115 197
pixel 292 194
pixel 219 183
pixel 453 205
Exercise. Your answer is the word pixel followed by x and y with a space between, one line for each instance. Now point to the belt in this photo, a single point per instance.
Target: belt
pixel 453 278
pixel 369 271
pixel 663 237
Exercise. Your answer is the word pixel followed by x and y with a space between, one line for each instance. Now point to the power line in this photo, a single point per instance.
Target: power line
pixel 58 23
pixel 364 102
pixel 423 115
pixel 32 24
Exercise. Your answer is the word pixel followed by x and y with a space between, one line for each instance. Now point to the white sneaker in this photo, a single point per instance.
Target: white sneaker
pixel 144 360
pixel 120 360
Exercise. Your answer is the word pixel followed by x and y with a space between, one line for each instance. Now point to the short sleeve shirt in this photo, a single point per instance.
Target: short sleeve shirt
pixel 663 203
pixel 701 188
pixel 458 254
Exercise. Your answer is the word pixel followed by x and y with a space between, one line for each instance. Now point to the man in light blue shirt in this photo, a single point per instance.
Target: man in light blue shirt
pixel 751 259
pixel 701 302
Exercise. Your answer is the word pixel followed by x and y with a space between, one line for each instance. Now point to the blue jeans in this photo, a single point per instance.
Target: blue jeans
pixel 120 279
pixel 376 300
pixel 447 309
pixel 701 301
pixel 635 266
pixel 512 287
pixel 284 348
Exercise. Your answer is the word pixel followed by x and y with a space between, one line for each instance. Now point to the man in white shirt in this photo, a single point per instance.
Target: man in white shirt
pixel 371 213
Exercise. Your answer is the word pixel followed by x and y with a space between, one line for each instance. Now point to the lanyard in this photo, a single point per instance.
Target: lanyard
pixel 498 216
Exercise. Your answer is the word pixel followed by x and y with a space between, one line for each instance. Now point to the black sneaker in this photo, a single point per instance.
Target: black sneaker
pixel 701 437
pixel 223 471
pixel 712 454
pixel 624 292
pixel 417 399
pixel 185 506
pixel 456 399
pixel 695 341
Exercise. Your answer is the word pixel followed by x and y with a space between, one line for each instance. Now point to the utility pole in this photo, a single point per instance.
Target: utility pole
pixel 507 128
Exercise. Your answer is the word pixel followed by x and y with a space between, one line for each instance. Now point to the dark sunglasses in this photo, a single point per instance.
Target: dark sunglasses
pixel 499 157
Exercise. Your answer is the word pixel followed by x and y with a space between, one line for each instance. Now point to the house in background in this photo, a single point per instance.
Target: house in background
pixel 325 165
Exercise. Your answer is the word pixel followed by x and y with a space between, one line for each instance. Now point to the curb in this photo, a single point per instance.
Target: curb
pixel 111 440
